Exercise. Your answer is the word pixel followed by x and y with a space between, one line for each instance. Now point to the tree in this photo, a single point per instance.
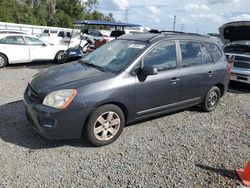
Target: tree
pixel 50 12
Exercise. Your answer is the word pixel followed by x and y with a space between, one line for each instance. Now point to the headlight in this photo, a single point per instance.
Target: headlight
pixel 60 99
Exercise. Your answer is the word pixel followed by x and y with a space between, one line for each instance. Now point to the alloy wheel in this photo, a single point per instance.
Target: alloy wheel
pixel 106 126
pixel 1 61
pixel 212 99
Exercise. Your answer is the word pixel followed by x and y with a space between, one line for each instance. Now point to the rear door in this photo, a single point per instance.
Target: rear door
pixel 159 92
pixel 197 71
pixel 15 48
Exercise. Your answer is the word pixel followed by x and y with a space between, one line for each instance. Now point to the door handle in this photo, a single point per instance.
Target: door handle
pixel 174 80
pixel 210 73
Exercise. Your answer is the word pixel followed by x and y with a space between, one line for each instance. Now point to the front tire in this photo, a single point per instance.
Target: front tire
pixel 3 61
pixel 211 100
pixel 104 125
pixel 59 57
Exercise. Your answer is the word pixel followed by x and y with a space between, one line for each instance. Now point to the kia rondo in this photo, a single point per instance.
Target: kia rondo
pixel 129 79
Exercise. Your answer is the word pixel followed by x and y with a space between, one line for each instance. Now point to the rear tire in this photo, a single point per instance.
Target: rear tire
pixel 104 125
pixel 59 57
pixel 3 61
pixel 211 100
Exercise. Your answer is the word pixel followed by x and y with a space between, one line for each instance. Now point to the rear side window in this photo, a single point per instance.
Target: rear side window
pixel 214 50
pixel 206 57
pixel 162 57
pixel 191 53
pixel 17 40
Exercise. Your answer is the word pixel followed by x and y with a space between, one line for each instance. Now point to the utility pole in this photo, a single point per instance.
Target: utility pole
pixel 174 23
pixel 126 15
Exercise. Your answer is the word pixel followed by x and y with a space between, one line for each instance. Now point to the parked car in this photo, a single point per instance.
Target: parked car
pixel 128 79
pixel 19 48
pixel 54 36
pixel 237 49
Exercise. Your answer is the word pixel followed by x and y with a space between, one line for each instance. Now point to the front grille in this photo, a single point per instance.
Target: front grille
pixel 32 94
pixel 241 58
pixel 244 65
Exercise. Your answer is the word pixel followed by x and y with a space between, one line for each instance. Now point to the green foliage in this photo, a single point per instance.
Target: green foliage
pixel 59 13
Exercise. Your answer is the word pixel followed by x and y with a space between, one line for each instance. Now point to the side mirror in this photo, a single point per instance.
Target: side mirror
pixel 144 72
pixel 149 70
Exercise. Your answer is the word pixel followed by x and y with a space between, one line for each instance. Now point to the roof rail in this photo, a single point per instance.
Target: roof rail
pixel 174 32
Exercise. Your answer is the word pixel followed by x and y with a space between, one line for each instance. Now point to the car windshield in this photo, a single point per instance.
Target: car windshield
pixel 241 42
pixel 115 55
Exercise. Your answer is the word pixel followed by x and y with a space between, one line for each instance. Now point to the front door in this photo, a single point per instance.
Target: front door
pixel 159 92
pixel 39 50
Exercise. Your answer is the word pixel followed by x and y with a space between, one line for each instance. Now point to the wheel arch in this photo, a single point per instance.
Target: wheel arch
pixel 222 89
pixel 57 52
pixel 119 104
pixel 5 57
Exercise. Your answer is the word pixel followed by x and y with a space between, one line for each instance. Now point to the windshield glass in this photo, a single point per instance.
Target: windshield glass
pixel 115 55
pixel 241 42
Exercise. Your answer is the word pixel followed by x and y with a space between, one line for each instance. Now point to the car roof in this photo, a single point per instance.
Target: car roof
pixel 2 35
pixel 153 37
pixel 12 30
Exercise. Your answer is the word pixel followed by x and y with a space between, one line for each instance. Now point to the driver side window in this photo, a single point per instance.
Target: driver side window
pixel 162 57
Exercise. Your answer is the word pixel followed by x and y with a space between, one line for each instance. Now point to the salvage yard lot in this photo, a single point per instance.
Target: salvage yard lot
pixel 185 149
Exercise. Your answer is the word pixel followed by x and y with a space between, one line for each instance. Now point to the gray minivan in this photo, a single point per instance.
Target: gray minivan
pixel 128 79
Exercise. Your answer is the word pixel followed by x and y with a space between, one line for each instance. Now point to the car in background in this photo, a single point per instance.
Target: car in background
pixel 131 78
pixel 19 48
pixel 54 36
pixel 237 49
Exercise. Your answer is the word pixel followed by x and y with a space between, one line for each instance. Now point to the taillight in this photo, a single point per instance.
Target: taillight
pixel 229 66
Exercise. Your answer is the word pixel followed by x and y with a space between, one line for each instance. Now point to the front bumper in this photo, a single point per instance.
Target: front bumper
pixel 240 75
pixel 53 123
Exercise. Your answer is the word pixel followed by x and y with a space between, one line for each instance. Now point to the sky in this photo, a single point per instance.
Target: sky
pixel 199 16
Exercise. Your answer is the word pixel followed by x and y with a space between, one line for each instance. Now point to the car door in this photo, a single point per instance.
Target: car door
pixel 39 50
pixel 197 71
pixel 158 92
pixel 15 48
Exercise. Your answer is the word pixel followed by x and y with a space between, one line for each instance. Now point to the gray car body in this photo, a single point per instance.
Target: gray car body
pixel 165 92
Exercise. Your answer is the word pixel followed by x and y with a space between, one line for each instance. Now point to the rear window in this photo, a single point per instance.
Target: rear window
pixel 214 50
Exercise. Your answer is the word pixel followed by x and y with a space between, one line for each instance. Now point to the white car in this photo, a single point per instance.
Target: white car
pixel 18 48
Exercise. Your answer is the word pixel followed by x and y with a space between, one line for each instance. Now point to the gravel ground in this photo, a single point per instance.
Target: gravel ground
pixel 184 149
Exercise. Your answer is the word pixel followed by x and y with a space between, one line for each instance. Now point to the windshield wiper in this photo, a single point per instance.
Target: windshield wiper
pixel 93 65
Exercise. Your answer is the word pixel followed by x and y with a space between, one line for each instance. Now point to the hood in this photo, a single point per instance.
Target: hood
pixel 67 76
pixel 234 31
